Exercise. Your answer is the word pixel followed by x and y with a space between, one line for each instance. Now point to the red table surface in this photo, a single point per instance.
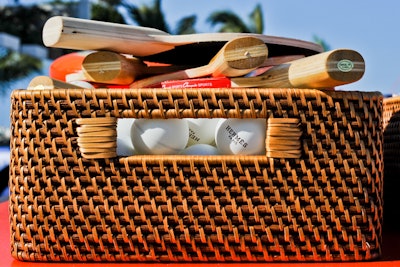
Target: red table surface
pixel 390 248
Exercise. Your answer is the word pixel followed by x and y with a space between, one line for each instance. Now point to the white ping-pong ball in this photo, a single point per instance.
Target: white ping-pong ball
pixel 159 136
pixel 241 136
pixel 125 147
pixel 200 149
pixel 201 130
pixel 124 142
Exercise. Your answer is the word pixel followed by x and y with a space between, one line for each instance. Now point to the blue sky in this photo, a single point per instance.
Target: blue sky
pixel 370 27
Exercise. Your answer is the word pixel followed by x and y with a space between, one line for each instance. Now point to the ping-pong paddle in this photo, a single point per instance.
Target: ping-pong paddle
pixel 223 82
pixel 46 82
pixel 67 64
pixel 273 61
pixel 325 70
pixel 114 68
pixel 236 58
pixel 155 45
pixel 109 67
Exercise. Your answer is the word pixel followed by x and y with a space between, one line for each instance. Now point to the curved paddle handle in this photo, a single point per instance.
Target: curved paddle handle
pixel 113 68
pixel 45 82
pixel 236 58
pixel 324 70
pixel 84 34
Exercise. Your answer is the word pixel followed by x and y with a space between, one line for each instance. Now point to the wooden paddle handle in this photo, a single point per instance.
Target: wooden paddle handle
pixel 109 67
pixel 84 34
pixel 114 68
pixel 45 82
pixel 236 58
pixel 324 70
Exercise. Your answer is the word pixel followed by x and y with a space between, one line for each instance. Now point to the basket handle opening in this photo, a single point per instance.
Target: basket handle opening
pixel 110 137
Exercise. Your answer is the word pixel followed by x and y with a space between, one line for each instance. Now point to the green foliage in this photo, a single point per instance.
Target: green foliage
pixel 111 3
pixel 148 15
pixel 24 22
pixel 257 20
pixel 14 65
pixel 186 25
pixel 322 43
pixel 231 22
pixel 105 12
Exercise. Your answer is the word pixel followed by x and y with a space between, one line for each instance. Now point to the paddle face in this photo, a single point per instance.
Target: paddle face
pixel 236 58
pixel 201 53
pixel 157 46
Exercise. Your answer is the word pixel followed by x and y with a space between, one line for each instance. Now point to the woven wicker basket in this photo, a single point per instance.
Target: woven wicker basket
pixel 324 205
pixel 391 154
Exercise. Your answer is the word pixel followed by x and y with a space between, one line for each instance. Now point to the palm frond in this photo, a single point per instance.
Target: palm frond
pixel 148 15
pixel 186 25
pixel 230 21
pixel 257 20
pixel 325 46
pixel 103 12
pixel 14 65
pixel 24 22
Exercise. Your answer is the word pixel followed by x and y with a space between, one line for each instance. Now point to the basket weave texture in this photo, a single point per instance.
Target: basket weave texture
pixel 391 155
pixel 324 206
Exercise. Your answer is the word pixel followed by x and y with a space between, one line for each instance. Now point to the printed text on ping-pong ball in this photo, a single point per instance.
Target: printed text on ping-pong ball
pixel 159 136
pixel 202 131
pixel 241 136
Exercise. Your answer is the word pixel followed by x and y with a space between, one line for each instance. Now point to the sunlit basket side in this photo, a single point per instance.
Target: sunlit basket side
pixel 325 205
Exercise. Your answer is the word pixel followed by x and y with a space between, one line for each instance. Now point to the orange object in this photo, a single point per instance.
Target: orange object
pixel 72 63
pixel 66 64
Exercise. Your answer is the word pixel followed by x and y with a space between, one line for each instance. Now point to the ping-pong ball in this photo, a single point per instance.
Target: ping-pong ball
pixel 241 136
pixel 201 130
pixel 124 142
pixel 200 149
pixel 159 136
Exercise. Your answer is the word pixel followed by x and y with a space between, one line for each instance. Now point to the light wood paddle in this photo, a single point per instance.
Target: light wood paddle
pixel 113 68
pixel 45 82
pixel 273 61
pixel 236 58
pixel 324 70
pixel 321 71
pixel 155 45
pixel 109 67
